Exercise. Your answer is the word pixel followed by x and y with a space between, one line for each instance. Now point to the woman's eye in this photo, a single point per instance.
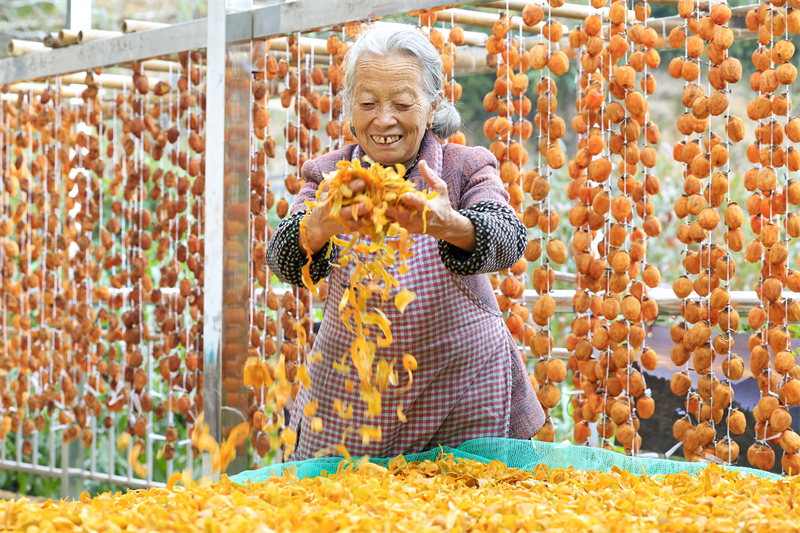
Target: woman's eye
pixel 367 105
pixel 404 106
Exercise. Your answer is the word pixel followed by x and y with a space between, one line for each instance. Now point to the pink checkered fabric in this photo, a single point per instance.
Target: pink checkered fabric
pixel 461 389
pixel 470 382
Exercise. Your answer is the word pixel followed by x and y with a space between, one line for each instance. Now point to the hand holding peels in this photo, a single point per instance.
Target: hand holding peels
pixel 435 217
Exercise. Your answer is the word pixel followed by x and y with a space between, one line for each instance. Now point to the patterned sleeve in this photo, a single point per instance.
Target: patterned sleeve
pixel 286 259
pixel 501 240
pixel 480 181
pixel 284 256
pixel 501 236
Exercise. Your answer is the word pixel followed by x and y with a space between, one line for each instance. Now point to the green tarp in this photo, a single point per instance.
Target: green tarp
pixel 521 454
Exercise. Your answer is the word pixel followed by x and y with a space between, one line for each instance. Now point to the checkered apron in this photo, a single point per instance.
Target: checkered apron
pixel 461 389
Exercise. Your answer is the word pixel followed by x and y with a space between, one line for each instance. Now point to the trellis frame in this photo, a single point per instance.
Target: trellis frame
pixel 220 34
pixel 225 36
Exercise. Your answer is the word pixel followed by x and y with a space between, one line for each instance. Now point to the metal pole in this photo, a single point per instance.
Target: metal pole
pixel 227 236
pixel 79 14
pixel 236 247
pixel 215 217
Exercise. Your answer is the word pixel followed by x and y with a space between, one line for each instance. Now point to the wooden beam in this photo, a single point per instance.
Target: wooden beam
pixel 130 26
pixel 486 20
pixel 18 47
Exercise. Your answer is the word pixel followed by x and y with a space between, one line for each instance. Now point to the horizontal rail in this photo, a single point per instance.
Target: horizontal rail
pixel 280 19
pixel 80 473
pixel 122 49
pixel 667 302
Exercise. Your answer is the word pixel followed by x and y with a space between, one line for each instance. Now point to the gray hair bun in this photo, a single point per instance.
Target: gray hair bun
pixel 446 121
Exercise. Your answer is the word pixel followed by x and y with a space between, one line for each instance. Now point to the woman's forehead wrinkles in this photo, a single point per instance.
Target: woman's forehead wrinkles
pixel 401 73
pixel 407 90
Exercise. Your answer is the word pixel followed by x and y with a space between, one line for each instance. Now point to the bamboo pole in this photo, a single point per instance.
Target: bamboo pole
pixel 667 24
pixel 74 86
pixel 471 38
pixel 18 47
pixel 130 26
pixel 485 20
pixel 472 60
pixel 163 65
pixel 27 87
pixel 320 46
pixel 96 35
pixel 69 37
pixel 567 11
pixel 703 4
pixel 108 81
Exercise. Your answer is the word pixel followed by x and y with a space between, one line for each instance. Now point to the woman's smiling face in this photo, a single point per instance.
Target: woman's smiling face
pixel 390 109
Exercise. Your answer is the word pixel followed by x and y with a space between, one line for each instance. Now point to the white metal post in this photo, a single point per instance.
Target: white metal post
pixel 79 14
pixel 215 218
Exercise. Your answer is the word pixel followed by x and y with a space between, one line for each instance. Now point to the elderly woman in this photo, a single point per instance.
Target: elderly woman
pixel 471 381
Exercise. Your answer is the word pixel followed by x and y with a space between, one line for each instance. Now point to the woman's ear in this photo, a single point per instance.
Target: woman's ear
pixel 434 106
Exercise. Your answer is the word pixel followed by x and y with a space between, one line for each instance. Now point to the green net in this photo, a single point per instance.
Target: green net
pixel 521 454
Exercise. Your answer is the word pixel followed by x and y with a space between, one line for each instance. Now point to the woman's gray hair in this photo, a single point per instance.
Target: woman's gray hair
pixel 384 39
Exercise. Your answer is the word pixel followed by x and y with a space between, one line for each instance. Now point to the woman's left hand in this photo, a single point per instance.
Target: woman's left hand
pixel 443 222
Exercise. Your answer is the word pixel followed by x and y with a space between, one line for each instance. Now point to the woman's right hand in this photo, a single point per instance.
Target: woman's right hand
pixel 320 227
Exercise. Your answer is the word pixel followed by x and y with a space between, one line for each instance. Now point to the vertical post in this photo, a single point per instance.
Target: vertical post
pixel 71 458
pixel 79 14
pixel 214 200
pixel 79 17
pixel 225 332
pixel 236 257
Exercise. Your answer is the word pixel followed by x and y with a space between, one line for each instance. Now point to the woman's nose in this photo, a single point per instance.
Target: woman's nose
pixel 386 116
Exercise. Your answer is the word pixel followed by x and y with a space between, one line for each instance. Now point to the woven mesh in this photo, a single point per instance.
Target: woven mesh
pixel 521 454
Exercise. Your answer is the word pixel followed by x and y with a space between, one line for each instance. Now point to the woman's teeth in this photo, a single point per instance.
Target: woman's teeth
pixel 386 140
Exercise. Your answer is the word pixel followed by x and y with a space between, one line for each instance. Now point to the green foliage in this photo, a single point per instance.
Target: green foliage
pixel 30 19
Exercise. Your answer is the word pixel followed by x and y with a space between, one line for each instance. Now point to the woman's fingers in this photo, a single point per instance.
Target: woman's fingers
pixel 398 214
pixel 355 211
pixel 413 201
pixel 357 185
pixel 411 219
pixel 323 188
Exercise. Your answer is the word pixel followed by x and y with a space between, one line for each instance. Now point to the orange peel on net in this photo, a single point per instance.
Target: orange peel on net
pixel 466 494
pixel 386 245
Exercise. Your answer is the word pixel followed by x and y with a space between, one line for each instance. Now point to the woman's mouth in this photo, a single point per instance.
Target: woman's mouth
pixel 386 140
